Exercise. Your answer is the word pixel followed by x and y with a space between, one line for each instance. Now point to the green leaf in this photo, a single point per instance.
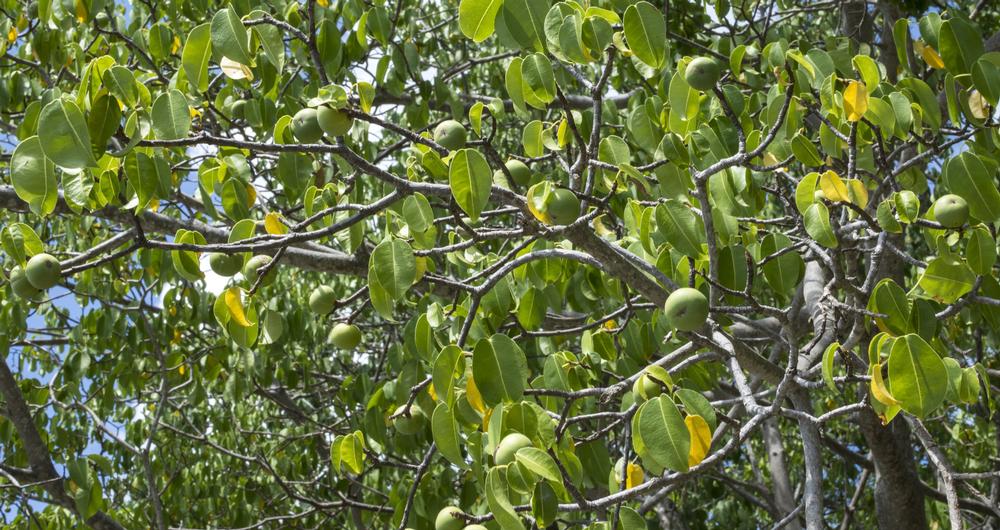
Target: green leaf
pixel 476 18
pixel 960 45
pixel 34 176
pixel 538 79
pixel 540 463
pixel 664 433
pixel 525 21
pixel 500 369
pixel 986 76
pixel 21 242
pixel 352 452
pixel 499 501
pixel 827 365
pixel 805 152
pixel 171 116
pixel 783 272
pixel 981 251
pixel 531 139
pixel 805 192
pixel 681 227
pixel 917 376
pixel 471 181
pixel 646 33
pixel 889 299
pixel 230 38
pixel 817 222
pixel 449 366
pixel 544 504
pixel 444 428
pixel 120 82
pixel 418 213
pixel 947 279
pixel 394 267
pixel 64 137
pixel 196 55
pixel 968 177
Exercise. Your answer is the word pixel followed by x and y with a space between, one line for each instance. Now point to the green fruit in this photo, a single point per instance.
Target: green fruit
pixel 448 519
pixel 225 264
pixel 253 266
pixel 345 336
pixel 686 309
pixel 20 285
pixel 519 171
pixel 450 134
pixel 951 211
pixel 475 527
pixel 306 127
pixel 563 207
pixel 702 74
pixel 646 387
pixel 334 122
pixel 322 300
pixel 509 446
pixel 412 424
pixel 238 108
pixel 43 271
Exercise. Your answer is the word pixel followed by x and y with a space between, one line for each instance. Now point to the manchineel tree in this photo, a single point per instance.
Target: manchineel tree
pixel 501 264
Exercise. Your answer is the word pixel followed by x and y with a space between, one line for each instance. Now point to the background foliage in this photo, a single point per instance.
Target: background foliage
pixel 508 273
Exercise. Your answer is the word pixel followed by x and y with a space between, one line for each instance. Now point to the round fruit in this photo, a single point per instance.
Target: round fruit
pixel 450 134
pixel 253 266
pixel 334 122
pixel 238 108
pixel 43 271
pixel 322 300
pixel 645 387
pixel 475 527
pixel 225 264
pixel 345 336
pixel 306 127
pixel 702 74
pixel 563 207
pixel 412 424
pixel 448 519
pixel 519 171
pixel 951 211
pixel 686 309
pixel 20 285
pixel 509 446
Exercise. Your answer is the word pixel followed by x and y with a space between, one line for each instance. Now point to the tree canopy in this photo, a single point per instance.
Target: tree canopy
pixel 503 264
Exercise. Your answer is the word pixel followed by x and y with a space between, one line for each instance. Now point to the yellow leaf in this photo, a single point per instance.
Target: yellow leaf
pixel 194 111
pixel 486 420
pixel 251 194
pixel 610 325
pixel 235 70
pixel 180 369
pixel 12 35
pixel 978 105
pixel 833 187
pixel 234 302
pixel 431 392
pixel 634 476
pixel 323 3
pixel 855 100
pixel 929 54
pixel 701 438
pixel 273 224
pixel 857 192
pixel 879 391
pixel 474 397
pixel 175 45
pixel 81 12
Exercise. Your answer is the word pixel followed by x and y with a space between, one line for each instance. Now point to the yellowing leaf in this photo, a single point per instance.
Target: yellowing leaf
pixel 81 12
pixel 833 186
pixel 251 195
pixel 432 393
pixel 323 3
pixel 879 390
pixel 12 35
pixel 978 105
pixel 701 438
pixel 273 224
pixel 234 302
pixel 235 70
pixel 634 476
pixel 857 192
pixel 475 398
pixel 855 100
pixel 175 45
pixel 929 54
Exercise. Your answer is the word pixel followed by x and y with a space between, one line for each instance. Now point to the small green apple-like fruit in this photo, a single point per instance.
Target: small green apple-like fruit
pixel 322 300
pixel 563 207
pixel 686 309
pixel 645 387
pixel 253 266
pixel 951 211
pixel 519 171
pixel 475 527
pixel 448 519
pixel 43 271
pixel 21 286
pixel 305 125
pixel 509 446
pixel 238 109
pixel 333 121
pixel 412 424
pixel 345 336
pixel 702 74
pixel 225 264
pixel 450 134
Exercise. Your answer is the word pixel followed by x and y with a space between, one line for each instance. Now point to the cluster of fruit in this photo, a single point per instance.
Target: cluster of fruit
pixel 41 272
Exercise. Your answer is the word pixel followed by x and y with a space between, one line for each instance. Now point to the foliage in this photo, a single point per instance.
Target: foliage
pixel 282 264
